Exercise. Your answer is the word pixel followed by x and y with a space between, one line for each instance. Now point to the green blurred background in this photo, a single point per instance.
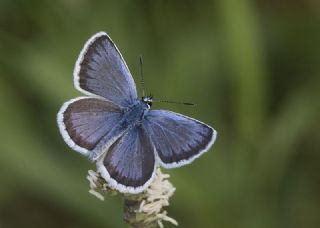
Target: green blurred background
pixel 252 67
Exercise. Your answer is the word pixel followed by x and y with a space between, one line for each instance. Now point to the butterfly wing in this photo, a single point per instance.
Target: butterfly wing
pixel 129 164
pixel 177 139
pixel 85 121
pixel 101 70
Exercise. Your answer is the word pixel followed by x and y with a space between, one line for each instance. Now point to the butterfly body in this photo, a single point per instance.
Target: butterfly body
pixel 112 127
pixel 131 116
pixel 134 114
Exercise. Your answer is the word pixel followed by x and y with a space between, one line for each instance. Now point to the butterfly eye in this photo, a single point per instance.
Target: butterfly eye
pixel 147 100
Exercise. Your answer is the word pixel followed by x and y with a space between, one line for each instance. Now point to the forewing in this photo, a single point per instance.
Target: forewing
pixel 101 70
pixel 129 164
pixel 178 139
pixel 84 121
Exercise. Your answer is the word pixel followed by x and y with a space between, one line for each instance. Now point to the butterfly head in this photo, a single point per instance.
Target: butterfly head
pixel 147 100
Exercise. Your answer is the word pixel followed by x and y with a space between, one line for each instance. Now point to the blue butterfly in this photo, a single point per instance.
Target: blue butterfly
pixel 119 131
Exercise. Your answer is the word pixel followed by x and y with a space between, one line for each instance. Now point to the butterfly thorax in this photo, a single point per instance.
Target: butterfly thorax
pixel 133 115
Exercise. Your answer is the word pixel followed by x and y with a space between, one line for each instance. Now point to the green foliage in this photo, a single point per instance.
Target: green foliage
pixel 252 67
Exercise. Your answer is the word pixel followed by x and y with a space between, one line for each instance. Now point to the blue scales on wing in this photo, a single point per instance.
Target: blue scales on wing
pixel 130 161
pixel 101 70
pixel 178 139
pixel 85 121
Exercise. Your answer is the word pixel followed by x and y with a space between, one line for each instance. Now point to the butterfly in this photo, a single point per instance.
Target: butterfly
pixel 120 132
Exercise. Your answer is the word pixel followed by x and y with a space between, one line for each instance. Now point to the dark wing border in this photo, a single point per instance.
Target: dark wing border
pixel 120 187
pixel 62 127
pixel 191 159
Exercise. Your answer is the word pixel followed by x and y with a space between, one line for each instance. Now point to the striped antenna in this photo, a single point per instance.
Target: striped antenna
pixel 173 102
pixel 141 73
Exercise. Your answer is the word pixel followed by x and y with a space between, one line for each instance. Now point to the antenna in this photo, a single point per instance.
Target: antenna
pixel 173 102
pixel 156 100
pixel 141 73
